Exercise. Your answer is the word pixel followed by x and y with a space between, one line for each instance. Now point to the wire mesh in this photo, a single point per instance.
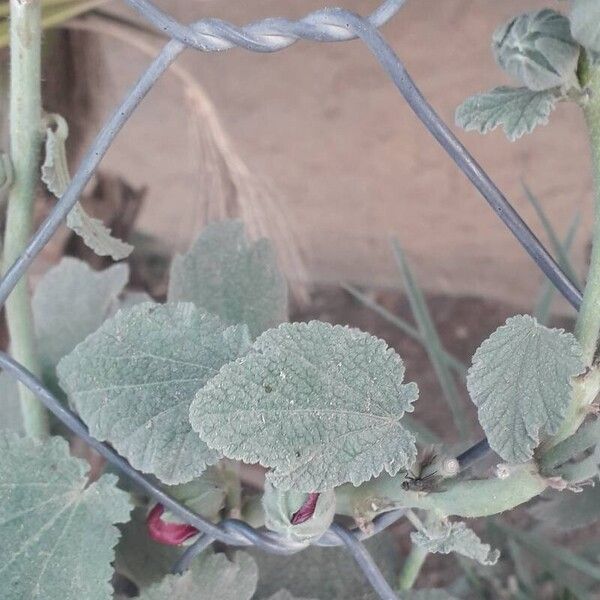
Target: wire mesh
pixel 269 35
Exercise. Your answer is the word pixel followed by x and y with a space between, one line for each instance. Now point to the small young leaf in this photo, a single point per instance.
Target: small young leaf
pixel 55 174
pixel 96 235
pixel 517 110
pixel 226 275
pixel 71 301
pixel 448 537
pixel 321 405
pixel 584 17
pixel 132 382
pixel 57 532
pixel 280 508
pixel 537 49
pixel 211 576
pixel 520 381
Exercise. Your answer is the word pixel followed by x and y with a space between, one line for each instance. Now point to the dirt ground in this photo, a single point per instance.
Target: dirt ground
pixel 346 160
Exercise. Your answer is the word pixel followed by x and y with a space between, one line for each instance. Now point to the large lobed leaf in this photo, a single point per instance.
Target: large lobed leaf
pixel 517 110
pixel 71 301
pixel 226 275
pixel 213 577
pixel 321 405
pixel 56 532
pixel 520 381
pixel 132 382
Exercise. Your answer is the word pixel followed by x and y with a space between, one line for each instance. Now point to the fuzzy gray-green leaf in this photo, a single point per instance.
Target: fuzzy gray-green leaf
pixel 132 382
pixel 517 110
pixel 537 49
pixel 444 538
pixel 320 405
pixel 585 17
pixel 71 301
pixel 212 576
pixel 230 277
pixel 567 511
pixel 285 595
pixel 57 532
pixel 520 381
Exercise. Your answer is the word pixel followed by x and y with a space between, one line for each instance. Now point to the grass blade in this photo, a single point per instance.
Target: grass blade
pixel 431 341
pixel 547 292
pixel 561 255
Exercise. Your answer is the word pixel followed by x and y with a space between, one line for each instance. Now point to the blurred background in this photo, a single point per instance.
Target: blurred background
pixel 315 148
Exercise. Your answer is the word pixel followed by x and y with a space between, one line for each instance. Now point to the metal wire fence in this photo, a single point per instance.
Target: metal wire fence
pixel 269 35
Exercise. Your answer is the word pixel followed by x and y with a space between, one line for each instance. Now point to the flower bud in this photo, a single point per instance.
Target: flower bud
pixel 537 49
pixel 298 516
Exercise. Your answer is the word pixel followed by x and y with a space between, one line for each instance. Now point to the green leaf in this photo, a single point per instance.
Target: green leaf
pixel 57 532
pixel 537 49
pixel 517 110
pixel 71 301
pixel 280 506
pixel 321 405
pixel 567 511
pixel 132 382
pixel 446 537
pixel 226 275
pixel 520 381
pixel 584 17
pixel 55 174
pixel 211 576
pixel 138 557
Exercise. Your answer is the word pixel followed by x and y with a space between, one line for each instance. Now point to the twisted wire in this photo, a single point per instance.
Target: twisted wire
pixel 269 35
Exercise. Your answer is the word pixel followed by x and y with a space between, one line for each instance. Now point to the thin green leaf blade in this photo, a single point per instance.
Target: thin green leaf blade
pixel 520 381
pixel 431 341
pixel 132 382
pixel 226 275
pixel 57 532
pixel 319 404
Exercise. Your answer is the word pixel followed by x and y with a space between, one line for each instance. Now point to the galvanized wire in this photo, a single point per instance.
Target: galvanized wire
pixel 269 35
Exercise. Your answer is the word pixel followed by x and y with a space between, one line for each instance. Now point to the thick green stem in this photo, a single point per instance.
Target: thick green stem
pixel 412 567
pixel 25 144
pixel 587 328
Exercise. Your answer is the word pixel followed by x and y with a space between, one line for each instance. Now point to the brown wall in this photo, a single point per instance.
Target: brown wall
pixel 345 156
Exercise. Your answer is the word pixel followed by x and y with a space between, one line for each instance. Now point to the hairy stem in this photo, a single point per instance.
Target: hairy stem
pixel 25 142
pixel 587 327
pixel 412 567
